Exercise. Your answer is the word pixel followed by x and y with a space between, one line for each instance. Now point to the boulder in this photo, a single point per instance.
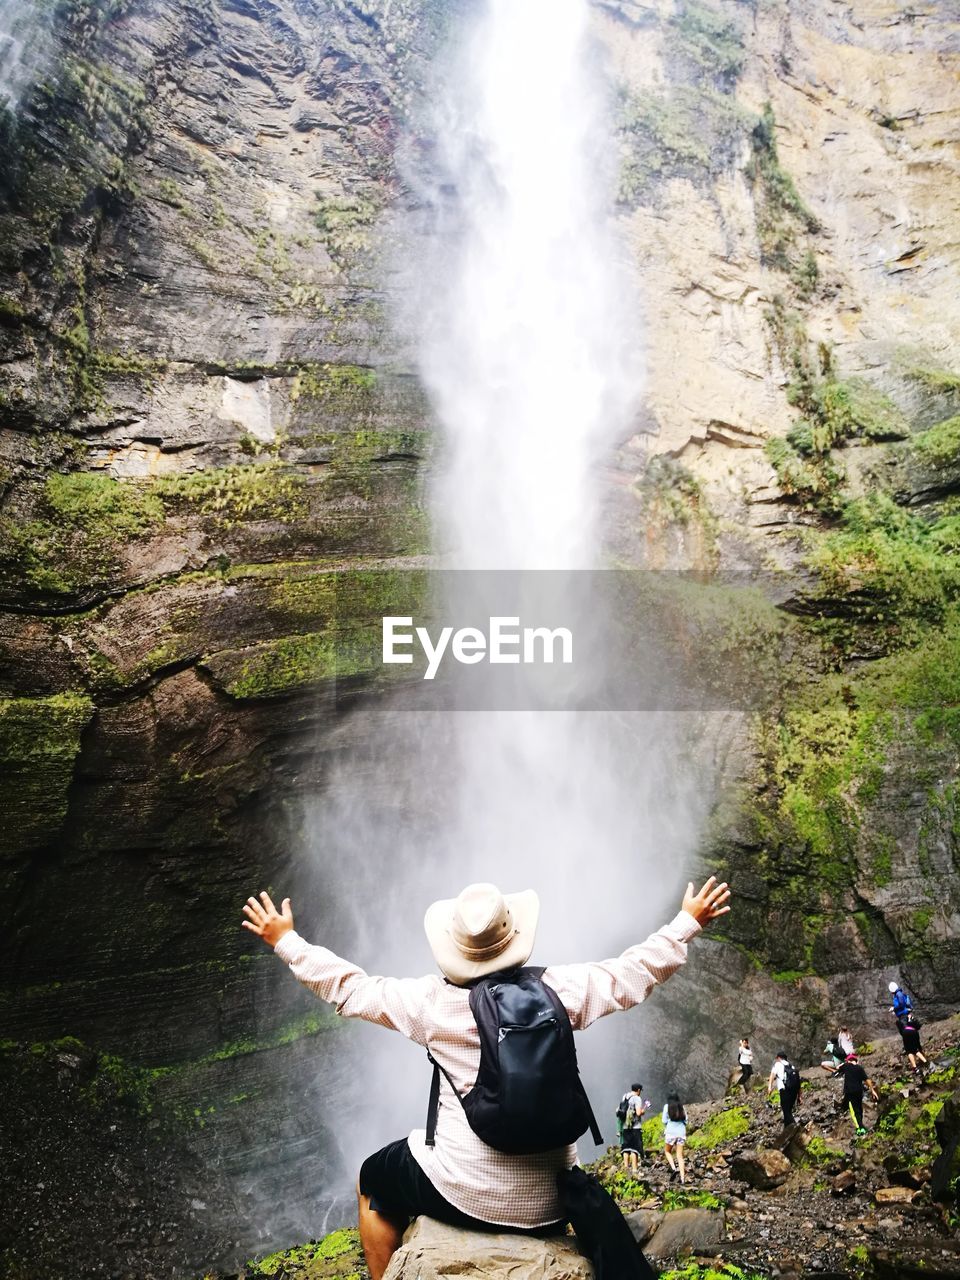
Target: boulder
pixel 643 1223
pixel 762 1169
pixel 945 1183
pixel 895 1195
pixel 433 1251
pixel 844 1183
pixel 796 1144
pixel 686 1231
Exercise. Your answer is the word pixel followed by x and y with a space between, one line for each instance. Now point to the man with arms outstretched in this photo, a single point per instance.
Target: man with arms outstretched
pixel 461 1180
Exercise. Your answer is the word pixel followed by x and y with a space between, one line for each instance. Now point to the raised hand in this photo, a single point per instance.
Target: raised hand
pixel 712 901
pixel 266 921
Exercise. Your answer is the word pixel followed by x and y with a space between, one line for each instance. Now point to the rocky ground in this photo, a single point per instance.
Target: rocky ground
pixel 761 1201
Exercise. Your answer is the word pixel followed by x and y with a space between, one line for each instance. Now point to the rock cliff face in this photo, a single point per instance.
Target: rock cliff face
pixel 789 185
pixel 213 454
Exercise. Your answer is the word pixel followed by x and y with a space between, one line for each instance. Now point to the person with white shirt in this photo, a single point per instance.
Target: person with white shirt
pixel 786 1078
pixel 460 1179
pixel 745 1059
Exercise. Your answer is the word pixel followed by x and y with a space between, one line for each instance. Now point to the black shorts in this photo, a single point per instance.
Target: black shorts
pixel 632 1140
pixel 911 1040
pixel 399 1189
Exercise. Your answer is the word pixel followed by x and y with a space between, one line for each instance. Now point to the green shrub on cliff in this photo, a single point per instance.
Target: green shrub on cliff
pixel 781 214
pixel 940 444
pixel 708 40
pixel 835 411
pixel 709 1271
pixel 907 563
pixel 234 494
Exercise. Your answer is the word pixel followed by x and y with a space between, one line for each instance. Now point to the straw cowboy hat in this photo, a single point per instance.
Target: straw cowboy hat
pixel 481 931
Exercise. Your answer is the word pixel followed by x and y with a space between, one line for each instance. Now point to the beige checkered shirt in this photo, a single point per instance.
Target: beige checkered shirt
pixel 509 1190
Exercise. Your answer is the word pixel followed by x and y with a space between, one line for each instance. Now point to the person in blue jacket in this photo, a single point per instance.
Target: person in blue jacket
pixel 902 1004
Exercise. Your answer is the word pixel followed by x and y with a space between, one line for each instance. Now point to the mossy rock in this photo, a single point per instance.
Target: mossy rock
pixel 76 532
pixel 39 745
pixel 336 1255
pixel 720 1129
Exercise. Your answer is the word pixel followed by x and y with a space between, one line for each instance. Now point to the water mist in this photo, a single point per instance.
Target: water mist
pixel 527 344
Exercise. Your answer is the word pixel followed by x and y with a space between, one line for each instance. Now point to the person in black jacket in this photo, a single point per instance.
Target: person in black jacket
pixel 855 1081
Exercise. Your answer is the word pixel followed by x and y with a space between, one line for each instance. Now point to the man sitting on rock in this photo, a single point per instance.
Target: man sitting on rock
pixel 461 1180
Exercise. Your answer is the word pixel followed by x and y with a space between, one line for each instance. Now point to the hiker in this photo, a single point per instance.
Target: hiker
pixel 834 1055
pixel 745 1059
pixel 845 1043
pixel 462 1179
pixel 785 1076
pixel 855 1080
pixel 674 1135
pixel 909 1027
pixel 633 1108
pixel 902 1004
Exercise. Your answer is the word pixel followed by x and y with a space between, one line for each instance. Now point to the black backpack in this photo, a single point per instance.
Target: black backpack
pixel 623 1108
pixel 791 1078
pixel 528 1096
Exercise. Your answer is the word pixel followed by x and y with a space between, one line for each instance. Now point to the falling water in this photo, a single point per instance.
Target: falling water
pixel 528 348
pixel 24 37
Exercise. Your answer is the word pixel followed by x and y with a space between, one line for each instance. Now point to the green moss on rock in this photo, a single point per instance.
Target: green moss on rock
pixel 895 556
pixel 330 381
pixel 720 1129
pixel 337 1254
pixel 39 745
pixel 692 132
pixel 829 753
pixel 77 530
pixel 708 40
pixel 232 495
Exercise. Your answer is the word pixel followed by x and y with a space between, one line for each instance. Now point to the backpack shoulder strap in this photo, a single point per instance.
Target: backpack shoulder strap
pixel 433 1105
pixel 564 1020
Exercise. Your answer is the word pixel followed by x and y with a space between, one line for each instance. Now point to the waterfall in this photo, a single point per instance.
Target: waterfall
pixel 528 346
pixel 24 37
pixel 526 351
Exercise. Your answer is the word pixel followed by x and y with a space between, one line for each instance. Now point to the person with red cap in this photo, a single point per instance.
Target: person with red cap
pixel 855 1081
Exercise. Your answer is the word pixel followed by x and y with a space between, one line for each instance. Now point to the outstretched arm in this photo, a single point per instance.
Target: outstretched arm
pixel 713 900
pixel 265 920
pixel 589 991
pixel 401 1004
